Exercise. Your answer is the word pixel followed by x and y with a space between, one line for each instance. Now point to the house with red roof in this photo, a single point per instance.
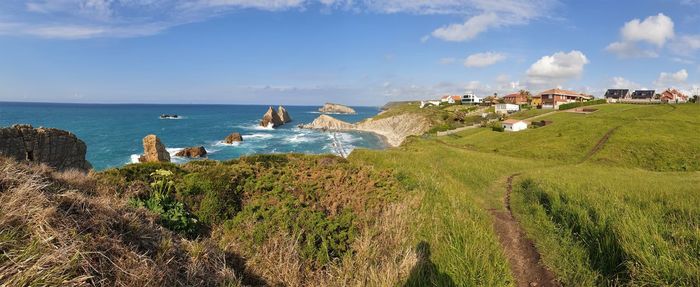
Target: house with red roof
pixel 673 96
pixel 451 99
pixel 515 99
pixel 551 99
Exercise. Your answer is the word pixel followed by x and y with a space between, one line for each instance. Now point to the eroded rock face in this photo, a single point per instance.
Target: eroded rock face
pixel 56 148
pixel 331 108
pixel 325 122
pixel 154 150
pixel 284 116
pixel 193 152
pixel 271 118
pixel 233 137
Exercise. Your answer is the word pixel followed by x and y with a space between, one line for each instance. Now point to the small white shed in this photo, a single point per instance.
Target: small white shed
pixel 506 108
pixel 511 125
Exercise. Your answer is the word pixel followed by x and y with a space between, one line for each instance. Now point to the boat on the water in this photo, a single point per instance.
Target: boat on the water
pixel 169 117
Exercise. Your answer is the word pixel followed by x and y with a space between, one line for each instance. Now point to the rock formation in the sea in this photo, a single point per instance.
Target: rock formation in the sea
pixel 395 129
pixel 193 152
pixel 56 148
pixel 154 150
pixel 326 122
pixel 232 138
pixel 271 118
pixel 283 114
pixel 330 108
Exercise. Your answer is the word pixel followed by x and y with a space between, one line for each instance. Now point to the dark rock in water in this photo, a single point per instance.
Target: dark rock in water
pixel 283 114
pixel 193 152
pixel 154 150
pixel 56 148
pixel 271 118
pixel 166 116
pixel 233 137
pixel 331 108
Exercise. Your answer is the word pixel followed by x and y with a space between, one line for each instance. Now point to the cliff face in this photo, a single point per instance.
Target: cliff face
pixel 395 128
pixel 56 148
pixel 330 108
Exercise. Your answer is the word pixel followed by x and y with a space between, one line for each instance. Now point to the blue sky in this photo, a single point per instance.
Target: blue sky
pixel 361 52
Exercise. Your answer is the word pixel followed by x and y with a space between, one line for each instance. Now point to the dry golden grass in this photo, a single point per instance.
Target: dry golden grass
pixel 56 231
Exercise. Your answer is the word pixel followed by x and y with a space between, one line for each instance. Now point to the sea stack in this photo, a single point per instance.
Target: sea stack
pixel 331 108
pixel 56 148
pixel 154 150
pixel 271 119
pixel 232 138
pixel 193 152
pixel 284 116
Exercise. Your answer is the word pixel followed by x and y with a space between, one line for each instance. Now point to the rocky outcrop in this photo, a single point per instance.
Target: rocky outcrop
pixel 56 148
pixel 325 122
pixel 330 108
pixel 232 138
pixel 271 119
pixel 154 150
pixel 283 114
pixel 192 152
pixel 394 129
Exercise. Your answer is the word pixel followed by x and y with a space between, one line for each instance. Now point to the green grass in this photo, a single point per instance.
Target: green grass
pixel 628 215
pixel 614 226
pixel 521 115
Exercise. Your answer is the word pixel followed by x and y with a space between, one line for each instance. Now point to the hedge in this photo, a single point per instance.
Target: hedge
pixel 581 104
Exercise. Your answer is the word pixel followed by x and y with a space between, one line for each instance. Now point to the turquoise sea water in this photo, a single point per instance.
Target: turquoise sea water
pixel 113 133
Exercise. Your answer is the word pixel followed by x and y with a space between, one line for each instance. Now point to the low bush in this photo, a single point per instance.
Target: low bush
pixel 582 104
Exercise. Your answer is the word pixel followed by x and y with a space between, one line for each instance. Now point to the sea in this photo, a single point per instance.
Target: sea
pixel 113 133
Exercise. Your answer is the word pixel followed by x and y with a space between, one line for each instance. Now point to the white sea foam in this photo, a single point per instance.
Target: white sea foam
pixel 257 136
pixel 221 143
pixel 134 158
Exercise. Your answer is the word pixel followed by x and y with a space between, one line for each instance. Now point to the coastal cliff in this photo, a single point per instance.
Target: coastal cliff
pixel 395 129
pixel 331 108
pixel 56 148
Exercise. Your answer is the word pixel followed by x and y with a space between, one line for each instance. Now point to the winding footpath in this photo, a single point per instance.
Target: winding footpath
pixel 521 252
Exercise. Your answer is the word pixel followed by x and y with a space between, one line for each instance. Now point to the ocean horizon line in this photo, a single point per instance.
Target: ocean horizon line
pixel 180 104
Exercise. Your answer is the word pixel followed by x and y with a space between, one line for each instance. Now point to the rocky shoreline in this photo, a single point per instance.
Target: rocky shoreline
pixel 394 130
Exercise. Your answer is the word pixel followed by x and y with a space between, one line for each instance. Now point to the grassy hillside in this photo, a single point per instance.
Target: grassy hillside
pixel 610 198
pixel 601 212
pixel 442 118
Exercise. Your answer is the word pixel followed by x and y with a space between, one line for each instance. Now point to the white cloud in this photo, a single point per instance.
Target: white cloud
pixel 622 83
pixel 479 60
pixel 630 50
pixel 75 19
pixel 557 68
pixel 467 30
pixel 654 31
pixel 685 45
pixel 669 79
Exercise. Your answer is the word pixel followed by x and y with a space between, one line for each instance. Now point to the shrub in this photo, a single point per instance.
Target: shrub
pixel 581 104
pixel 173 214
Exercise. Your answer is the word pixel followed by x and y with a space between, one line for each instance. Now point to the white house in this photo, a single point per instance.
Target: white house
pixel 511 125
pixel 450 99
pixel 470 99
pixel 507 108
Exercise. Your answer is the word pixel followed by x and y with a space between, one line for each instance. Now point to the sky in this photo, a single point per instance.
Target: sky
pixel 357 52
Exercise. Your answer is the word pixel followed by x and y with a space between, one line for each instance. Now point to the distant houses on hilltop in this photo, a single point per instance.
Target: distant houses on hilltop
pixel 670 96
pixel 555 98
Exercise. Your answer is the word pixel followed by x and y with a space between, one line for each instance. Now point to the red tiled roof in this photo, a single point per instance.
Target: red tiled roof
pixel 561 92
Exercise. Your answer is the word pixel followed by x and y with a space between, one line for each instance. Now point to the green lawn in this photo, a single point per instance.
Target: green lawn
pixel 628 215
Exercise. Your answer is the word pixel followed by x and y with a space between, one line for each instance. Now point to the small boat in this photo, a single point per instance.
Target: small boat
pixel 167 116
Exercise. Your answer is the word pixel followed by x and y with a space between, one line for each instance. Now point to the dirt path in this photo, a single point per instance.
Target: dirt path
pixel 521 252
pixel 599 145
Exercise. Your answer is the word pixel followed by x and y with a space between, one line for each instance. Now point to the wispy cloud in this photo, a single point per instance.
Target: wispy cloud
pixel 79 19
